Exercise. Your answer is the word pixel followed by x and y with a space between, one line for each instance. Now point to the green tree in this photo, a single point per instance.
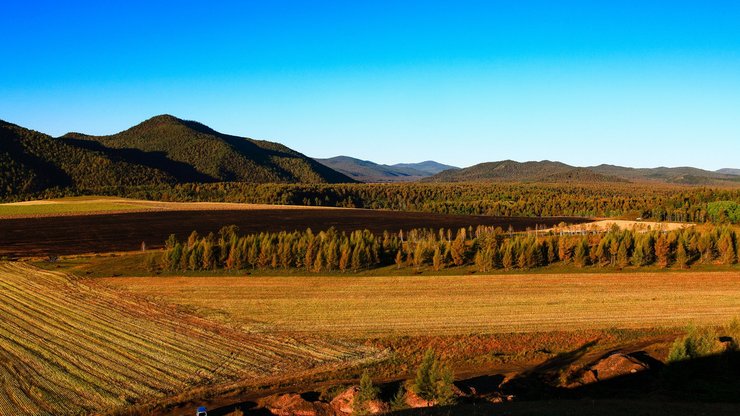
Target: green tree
pixel 366 394
pixel 399 399
pixel 623 259
pixel 580 254
pixel 434 380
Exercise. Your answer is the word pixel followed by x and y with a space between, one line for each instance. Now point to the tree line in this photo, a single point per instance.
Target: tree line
pixel 658 202
pixel 486 248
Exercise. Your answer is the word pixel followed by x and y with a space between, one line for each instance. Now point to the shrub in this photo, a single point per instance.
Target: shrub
pixel 696 343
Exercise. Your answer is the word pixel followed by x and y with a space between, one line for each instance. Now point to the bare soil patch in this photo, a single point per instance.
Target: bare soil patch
pixel 78 234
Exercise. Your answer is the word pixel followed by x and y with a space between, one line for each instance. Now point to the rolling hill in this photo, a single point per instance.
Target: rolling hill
pixel 429 166
pixel 367 171
pixel 729 171
pixel 161 150
pixel 32 162
pixel 193 152
pixel 684 175
pixel 547 171
pixel 509 170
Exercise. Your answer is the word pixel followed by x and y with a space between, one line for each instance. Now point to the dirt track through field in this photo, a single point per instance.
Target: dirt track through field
pixel 77 234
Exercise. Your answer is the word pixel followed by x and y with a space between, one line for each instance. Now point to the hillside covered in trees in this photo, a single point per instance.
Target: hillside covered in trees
pixel 197 153
pixel 31 162
pixel 548 171
pixel 161 150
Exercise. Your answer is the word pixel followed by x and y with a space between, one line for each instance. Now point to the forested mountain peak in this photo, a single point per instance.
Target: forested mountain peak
pixel 551 171
pixel 161 150
pixel 200 153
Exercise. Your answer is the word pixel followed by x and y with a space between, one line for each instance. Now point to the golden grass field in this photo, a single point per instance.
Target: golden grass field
pixel 355 306
pixel 108 205
pixel 72 347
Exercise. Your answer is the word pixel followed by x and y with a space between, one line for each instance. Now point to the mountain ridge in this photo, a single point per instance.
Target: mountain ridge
pixel 161 150
pixel 550 171
pixel 368 171
pixel 215 156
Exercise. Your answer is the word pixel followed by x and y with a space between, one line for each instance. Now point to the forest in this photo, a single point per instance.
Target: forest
pixel 650 201
pixel 484 247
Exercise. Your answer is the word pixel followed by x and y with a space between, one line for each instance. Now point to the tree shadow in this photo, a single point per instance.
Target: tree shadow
pixel 180 171
pixel 707 385
pixel 539 382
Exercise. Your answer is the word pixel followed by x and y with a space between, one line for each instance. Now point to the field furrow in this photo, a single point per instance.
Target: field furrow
pixel 71 347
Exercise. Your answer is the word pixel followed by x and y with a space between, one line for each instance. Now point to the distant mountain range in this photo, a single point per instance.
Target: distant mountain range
pixel 730 171
pixel 168 150
pixel 367 171
pixel 163 149
pixel 548 171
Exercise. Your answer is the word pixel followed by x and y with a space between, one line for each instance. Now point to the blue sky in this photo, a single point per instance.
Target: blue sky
pixel 634 83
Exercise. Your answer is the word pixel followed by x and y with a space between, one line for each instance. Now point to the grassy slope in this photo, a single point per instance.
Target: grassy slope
pixel 68 206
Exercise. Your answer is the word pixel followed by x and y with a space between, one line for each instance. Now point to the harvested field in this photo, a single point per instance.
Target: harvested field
pixel 109 205
pixel 73 347
pixel 77 234
pixel 375 306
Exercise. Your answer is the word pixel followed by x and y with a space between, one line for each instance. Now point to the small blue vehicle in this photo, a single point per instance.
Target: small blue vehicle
pixel 201 411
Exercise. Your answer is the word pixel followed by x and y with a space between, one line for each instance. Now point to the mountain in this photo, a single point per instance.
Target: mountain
pixel 430 167
pixel 683 175
pixel 509 170
pixel 367 171
pixel 31 162
pixel 729 171
pixel 161 150
pixel 193 152
pixel 547 171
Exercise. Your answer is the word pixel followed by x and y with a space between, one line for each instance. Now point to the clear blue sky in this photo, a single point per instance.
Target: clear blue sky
pixel 635 83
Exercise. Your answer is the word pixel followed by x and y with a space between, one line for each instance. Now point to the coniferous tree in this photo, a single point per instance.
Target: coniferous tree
pixel 399 259
pixel 507 259
pixel 457 248
pixel 580 254
pixel 437 263
pixel 726 247
pixel 366 394
pixel 682 258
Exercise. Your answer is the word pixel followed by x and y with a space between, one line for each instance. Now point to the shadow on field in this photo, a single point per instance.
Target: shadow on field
pixel 708 385
pixel 703 386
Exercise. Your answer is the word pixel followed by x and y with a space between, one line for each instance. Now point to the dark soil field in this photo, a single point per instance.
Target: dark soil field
pixel 77 234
